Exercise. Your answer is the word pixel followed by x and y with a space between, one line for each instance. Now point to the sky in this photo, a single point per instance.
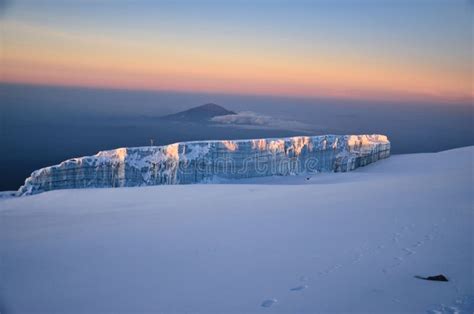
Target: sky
pixel 390 50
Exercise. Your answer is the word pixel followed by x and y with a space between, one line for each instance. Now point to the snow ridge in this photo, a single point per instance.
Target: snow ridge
pixel 205 161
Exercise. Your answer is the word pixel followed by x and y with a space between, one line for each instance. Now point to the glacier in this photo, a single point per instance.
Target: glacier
pixel 210 161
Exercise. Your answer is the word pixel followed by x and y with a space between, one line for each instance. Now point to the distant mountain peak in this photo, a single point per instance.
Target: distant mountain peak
pixel 200 113
pixel 210 105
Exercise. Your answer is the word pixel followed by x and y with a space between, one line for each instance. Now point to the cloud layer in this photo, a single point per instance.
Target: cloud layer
pixel 252 119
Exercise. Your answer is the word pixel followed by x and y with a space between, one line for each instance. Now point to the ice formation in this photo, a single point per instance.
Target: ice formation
pixel 209 161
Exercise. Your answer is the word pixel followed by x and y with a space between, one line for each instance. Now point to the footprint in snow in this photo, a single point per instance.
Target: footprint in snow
pixel 429 237
pixel 418 244
pixel 398 262
pixel 299 288
pixel 396 237
pixel 304 278
pixel 269 302
pixel 357 257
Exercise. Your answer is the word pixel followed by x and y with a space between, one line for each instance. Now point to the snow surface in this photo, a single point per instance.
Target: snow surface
pixel 344 242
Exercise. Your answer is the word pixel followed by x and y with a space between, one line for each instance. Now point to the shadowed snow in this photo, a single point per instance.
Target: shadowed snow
pixel 348 242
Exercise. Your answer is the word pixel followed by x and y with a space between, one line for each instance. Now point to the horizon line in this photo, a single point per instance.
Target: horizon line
pixel 419 100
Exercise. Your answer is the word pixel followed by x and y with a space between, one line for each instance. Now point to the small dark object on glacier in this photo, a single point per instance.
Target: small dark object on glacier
pixel 307 178
pixel 433 278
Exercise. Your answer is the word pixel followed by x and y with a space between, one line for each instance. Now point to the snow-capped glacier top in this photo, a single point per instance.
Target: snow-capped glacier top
pixel 202 161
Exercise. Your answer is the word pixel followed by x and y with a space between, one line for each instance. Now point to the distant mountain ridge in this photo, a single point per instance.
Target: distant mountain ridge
pixel 200 113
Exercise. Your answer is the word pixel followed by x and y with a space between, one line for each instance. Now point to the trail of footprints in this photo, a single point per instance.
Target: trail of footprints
pixel 410 250
pixel 270 302
pixel 462 304
pixel 398 260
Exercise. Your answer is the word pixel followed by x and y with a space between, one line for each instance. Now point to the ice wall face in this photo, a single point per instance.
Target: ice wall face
pixel 207 161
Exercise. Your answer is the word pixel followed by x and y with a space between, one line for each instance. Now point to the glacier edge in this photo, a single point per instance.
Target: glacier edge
pixel 204 161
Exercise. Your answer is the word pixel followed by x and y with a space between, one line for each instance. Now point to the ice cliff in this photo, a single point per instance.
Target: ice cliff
pixel 208 161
